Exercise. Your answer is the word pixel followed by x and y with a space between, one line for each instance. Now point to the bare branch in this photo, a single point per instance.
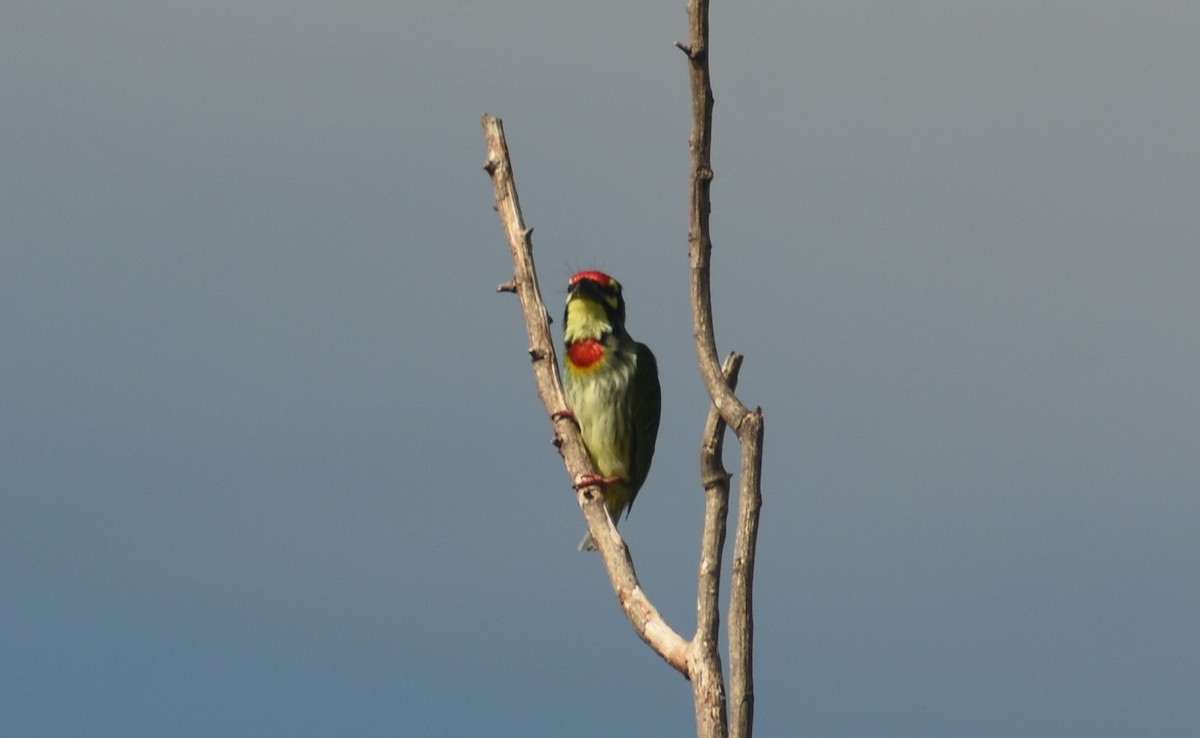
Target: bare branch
pixel 709 688
pixel 741 600
pixel 748 425
pixel 643 616
pixel 716 487
pixel 524 281
pixel 699 238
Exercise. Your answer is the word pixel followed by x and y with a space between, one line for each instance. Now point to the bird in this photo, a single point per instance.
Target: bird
pixel 611 387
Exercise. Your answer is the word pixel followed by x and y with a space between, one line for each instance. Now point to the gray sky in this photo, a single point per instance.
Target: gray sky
pixel 271 461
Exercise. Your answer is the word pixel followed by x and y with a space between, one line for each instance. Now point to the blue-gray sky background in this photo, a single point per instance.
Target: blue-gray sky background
pixel 271 461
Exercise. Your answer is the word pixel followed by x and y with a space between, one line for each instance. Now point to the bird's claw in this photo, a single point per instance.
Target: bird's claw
pixel 595 480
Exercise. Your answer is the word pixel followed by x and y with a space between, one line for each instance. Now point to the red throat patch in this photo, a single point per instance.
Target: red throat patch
pixel 586 353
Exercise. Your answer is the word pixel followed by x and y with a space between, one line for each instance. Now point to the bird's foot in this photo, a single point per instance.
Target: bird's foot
pixel 595 480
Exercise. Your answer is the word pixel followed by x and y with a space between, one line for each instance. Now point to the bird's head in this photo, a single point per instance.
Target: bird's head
pixel 595 307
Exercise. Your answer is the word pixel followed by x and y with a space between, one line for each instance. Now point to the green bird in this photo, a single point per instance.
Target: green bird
pixel 612 390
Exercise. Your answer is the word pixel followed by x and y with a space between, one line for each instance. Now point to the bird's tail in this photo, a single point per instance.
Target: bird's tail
pixel 587 544
pixel 617 500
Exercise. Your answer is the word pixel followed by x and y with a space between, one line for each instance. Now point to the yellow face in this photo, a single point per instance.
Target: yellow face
pixel 586 318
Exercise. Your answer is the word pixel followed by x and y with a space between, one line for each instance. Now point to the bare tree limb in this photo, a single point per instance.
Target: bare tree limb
pixel 746 424
pixel 699 238
pixel 712 541
pixel 709 693
pixel 643 616
pixel 741 600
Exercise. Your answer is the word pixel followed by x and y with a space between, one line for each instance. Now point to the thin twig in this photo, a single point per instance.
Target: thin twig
pixel 699 238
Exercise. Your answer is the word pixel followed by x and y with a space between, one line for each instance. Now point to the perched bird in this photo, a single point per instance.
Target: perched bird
pixel 612 390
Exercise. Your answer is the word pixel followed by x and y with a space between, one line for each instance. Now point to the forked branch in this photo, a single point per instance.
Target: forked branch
pixel 747 424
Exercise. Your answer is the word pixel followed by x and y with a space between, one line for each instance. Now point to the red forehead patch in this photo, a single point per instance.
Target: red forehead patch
pixel 595 276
